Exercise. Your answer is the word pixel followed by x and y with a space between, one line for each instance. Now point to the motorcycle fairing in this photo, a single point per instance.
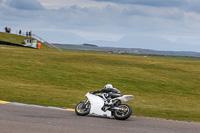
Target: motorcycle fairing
pixel 96 104
pixel 124 98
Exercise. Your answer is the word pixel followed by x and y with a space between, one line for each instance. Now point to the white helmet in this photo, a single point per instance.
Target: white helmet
pixel 108 86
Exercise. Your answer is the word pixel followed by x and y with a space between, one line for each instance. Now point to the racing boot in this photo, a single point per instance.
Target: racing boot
pixel 107 104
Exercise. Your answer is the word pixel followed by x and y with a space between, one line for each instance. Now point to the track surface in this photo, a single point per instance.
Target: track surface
pixel 22 119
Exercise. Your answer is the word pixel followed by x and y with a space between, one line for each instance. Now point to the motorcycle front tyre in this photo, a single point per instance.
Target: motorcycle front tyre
pixel 124 114
pixel 80 110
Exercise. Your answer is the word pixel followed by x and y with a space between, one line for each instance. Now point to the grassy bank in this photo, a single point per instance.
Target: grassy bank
pixel 165 88
pixel 14 39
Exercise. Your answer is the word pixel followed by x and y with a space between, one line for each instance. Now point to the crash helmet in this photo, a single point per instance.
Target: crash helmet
pixel 108 86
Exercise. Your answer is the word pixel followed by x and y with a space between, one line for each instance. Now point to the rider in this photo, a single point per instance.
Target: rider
pixel 111 93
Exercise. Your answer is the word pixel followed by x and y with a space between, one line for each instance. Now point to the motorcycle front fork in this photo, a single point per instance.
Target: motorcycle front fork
pixel 86 104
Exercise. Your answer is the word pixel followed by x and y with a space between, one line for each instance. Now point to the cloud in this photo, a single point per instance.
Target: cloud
pixel 25 4
pixel 192 5
pixel 69 21
pixel 157 3
pixel 188 5
pixel 57 4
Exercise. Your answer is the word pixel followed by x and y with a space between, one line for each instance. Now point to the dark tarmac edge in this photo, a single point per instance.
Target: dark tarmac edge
pixel 71 109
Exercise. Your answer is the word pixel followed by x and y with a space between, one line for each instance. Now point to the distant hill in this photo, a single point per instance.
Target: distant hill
pixel 135 51
pixel 152 42
pixel 90 45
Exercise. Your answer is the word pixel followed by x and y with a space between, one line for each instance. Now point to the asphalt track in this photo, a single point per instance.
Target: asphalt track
pixel 30 119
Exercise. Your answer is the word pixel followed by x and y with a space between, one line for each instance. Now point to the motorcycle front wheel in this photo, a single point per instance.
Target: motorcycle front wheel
pixel 123 113
pixel 83 108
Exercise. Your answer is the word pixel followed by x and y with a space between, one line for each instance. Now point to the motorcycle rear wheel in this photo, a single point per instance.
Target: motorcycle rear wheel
pixel 82 109
pixel 124 113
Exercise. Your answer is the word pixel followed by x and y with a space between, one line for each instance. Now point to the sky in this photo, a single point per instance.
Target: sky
pixel 168 25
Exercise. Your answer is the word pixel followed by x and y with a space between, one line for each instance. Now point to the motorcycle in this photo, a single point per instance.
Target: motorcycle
pixel 94 105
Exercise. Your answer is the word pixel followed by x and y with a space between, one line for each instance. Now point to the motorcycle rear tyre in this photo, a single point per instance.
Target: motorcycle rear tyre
pixel 126 116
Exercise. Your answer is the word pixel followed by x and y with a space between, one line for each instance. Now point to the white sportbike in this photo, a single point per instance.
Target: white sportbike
pixel 94 105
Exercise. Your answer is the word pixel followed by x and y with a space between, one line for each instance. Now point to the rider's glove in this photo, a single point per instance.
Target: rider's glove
pixel 106 95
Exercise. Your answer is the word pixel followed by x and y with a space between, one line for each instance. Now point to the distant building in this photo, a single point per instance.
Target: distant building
pixel 111 52
pixel 123 52
pixel 30 42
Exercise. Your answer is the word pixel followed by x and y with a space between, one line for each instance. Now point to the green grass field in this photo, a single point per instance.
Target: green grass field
pixel 178 58
pixel 164 88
